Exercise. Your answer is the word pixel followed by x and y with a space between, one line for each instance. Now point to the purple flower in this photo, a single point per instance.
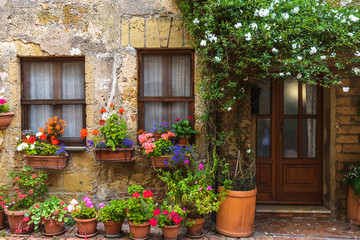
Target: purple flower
pixel 101 205
pixel 201 166
pixel 209 188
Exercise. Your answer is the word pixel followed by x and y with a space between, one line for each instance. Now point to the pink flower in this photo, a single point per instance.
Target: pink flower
pixel 65 208
pixel 209 188
pixel 17 178
pixel 26 219
pixel 156 212
pixel 200 189
pixel 201 166
pixel 186 162
pixel 36 206
pixel 184 209
pixel 31 191
pixel 34 176
pixel 177 119
pixel 165 212
pixel 153 222
pixel 190 118
pixel 62 203
pixel 101 205
pixel 2 101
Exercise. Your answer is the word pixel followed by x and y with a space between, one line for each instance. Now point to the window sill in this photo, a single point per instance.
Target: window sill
pixel 75 148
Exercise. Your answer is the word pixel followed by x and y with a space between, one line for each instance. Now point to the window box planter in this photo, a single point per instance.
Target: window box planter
pixel 49 162
pixel 158 162
pixel 119 155
pixel 5 119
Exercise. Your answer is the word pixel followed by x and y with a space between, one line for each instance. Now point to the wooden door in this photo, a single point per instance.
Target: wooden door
pixel 289 143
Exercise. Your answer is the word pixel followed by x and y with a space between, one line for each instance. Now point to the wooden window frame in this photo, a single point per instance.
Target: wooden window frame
pixel 166 73
pixel 57 101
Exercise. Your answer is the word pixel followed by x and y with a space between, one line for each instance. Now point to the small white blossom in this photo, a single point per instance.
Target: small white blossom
pixel 229 109
pixel 38 134
pixel 267 27
pixel 323 57
pixel 234 97
pixel 285 16
pixel 274 50
pixel 32 146
pixel 264 12
pixel 222 89
pixel 288 73
pixel 17 139
pixel 357 53
pixel 217 59
pixel 248 151
pixel 353 18
pixel 22 146
pixel 313 50
pixel 248 37
pixel 254 26
pixel 343 21
pixel 196 21
pixel 295 46
pixel 74 202
pixel 356 70
pixel 27 136
pixel 238 25
pixel 296 10
pixel 299 76
pixel 350 34
pixel 203 43
pixel 70 208
pixel 333 55
pixel 299 58
pixel 281 74
pixel 105 116
pixel 211 37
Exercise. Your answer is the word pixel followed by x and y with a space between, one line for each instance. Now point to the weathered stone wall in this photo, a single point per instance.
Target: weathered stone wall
pixel 107 33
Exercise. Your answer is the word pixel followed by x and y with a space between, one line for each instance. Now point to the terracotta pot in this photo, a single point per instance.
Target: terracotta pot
pixel 183 141
pixel 353 207
pixel 86 226
pixel 48 162
pixel 5 119
pixel 2 219
pixel 157 136
pixel 17 223
pixel 197 228
pixel 53 226
pixel 119 155
pixel 236 214
pixel 140 230
pixel 112 229
pixel 171 232
pixel 158 162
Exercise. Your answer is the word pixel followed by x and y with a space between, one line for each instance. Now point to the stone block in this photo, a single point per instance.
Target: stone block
pixel 176 35
pixel 137 32
pixel 89 93
pixel 14 72
pixel 89 71
pixel 338 147
pixel 351 148
pixel 89 115
pixel 343 101
pixel 83 161
pixel 347 157
pixel 347 139
pixel 164 29
pixel 16 95
pixel 124 33
pixel 152 34
pixel 28 49
pixel 77 182
pixel 346 110
pixel 345 120
pixel 352 129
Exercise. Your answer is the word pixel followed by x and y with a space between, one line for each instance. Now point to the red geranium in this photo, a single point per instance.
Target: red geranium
pixel 153 222
pixel 156 212
pixel 31 139
pixel 147 193
pixel 136 194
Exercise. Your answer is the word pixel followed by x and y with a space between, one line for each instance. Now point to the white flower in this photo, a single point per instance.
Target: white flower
pixel 313 50
pixel 229 109
pixel 350 34
pixel 203 43
pixel 299 76
pixel 105 116
pixel 299 58
pixel 343 21
pixel 217 59
pixel 248 151
pixel 234 97
pixel 22 146
pixel 356 70
pixel 17 139
pixel 267 27
pixel 248 37
pixel 222 89
pixel 281 74
pixel 285 16
pixel 19 148
pixel 323 57
pixel 274 50
pixel 196 21
pixel 296 10
pixel 353 18
pixel 27 136
pixel 74 202
pixel 333 55
pixel 288 73
pixel 32 146
pixel 211 37
pixel 238 25
pixel 254 26
pixel 357 53
pixel 264 12
pixel 294 45
pixel 38 134
pixel 70 208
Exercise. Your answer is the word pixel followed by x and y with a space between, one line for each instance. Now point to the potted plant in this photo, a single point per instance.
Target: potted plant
pixel 43 150
pixel 139 212
pixel 4 201
pixel 26 134
pixel 113 217
pixel 183 131
pixel 85 216
pixel 160 128
pixel 5 116
pixel 169 219
pixel 52 213
pixel 352 179
pixel 29 188
pixel 110 143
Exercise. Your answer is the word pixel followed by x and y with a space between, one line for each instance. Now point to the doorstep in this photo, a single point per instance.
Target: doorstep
pixel 292 211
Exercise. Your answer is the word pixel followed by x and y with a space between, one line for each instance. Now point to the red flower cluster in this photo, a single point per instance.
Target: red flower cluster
pixel 153 222
pixel 156 212
pixel 31 139
pixel 102 122
pixel 136 194
pixel 147 193
pixel 84 133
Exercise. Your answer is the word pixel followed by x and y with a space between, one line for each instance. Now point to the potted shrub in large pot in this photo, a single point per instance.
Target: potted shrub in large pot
pixel 52 213
pixel 5 116
pixel 29 188
pixel 110 143
pixel 352 179
pixel 140 207
pixel 113 217
pixel 183 130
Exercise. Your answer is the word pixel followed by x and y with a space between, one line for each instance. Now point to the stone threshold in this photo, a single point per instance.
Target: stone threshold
pixel 292 211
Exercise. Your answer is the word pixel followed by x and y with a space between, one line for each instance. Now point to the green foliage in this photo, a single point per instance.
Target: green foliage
pixel 115 212
pixel 163 147
pixel 140 206
pixel 183 129
pixel 352 178
pixel 114 131
pixel 4 107
pixel 4 197
pixel 52 208
pixel 83 209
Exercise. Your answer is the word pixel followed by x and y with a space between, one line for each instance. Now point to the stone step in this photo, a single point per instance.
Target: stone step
pixel 292 211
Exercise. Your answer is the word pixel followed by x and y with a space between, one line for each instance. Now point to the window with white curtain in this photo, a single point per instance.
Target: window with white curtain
pixel 166 86
pixel 54 87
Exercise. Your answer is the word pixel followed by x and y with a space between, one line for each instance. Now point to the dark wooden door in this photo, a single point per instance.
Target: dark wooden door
pixel 289 142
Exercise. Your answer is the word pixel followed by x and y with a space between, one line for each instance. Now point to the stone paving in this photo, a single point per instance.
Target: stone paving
pixel 265 229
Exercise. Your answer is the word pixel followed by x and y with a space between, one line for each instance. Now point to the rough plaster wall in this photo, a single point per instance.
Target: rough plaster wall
pixel 106 33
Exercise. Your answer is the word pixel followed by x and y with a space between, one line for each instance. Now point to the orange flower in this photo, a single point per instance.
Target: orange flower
pixel 84 133
pixel 121 110
pixel 111 105
pixel 54 142
pixel 95 132
pixel 41 129
pixel 102 110
pixel 43 137
pixel 141 132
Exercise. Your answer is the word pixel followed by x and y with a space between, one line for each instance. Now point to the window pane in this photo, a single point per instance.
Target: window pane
pixel 309 138
pixel 153 113
pixel 41 81
pixel 39 115
pixel 309 99
pixel 263 137
pixel 73 76
pixel 73 116
pixel 179 110
pixel 291 96
pixel 290 140
pixel 152 76
pixel 261 98
pixel 181 76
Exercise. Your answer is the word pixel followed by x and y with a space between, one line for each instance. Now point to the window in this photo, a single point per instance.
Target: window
pixel 54 87
pixel 166 86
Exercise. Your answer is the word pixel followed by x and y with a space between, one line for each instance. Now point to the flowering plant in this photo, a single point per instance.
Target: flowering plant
pixel 52 208
pixel 29 133
pixel 183 128
pixel 180 156
pixel 4 197
pixel 115 212
pixel 4 107
pixel 83 210
pixel 112 133
pixel 55 127
pixel 158 148
pixel 140 206
pixel 352 178
pixel 169 215
pixel 29 188
pixel 161 127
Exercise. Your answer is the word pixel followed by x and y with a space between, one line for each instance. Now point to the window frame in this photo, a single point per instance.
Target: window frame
pixel 57 101
pixel 166 73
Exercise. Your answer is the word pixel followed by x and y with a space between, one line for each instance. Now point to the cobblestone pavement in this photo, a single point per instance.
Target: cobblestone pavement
pixel 265 229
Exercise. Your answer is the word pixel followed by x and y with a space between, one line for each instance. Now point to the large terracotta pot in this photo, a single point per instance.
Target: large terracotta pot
pixel 113 229
pixel 171 232
pixel 236 214
pixel 158 162
pixel 86 226
pixel 119 155
pixel 17 223
pixel 183 141
pixel 195 230
pixel 53 227
pixel 353 207
pixel 48 162
pixel 5 119
pixel 2 219
pixel 139 231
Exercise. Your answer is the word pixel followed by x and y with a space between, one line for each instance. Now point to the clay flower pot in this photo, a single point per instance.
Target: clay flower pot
pixel 353 207
pixel 139 231
pixel 157 136
pixel 183 141
pixel 53 227
pixel 5 119
pixel 112 229
pixel 171 232
pixel 48 162
pixel 86 226
pixel 158 162
pixel 236 214
pixel 119 155
pixel 17 223
pixel 2 219
pixel 196 229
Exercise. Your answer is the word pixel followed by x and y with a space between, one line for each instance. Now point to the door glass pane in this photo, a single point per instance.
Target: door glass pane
pixel 260 98
pixel 290 139
pixel 309 138
pixel 263 137
pixel 152 76
pixel 291 96
pixel 309 99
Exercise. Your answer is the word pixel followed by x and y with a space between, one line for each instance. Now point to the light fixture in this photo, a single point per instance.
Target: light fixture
pixel 346 89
